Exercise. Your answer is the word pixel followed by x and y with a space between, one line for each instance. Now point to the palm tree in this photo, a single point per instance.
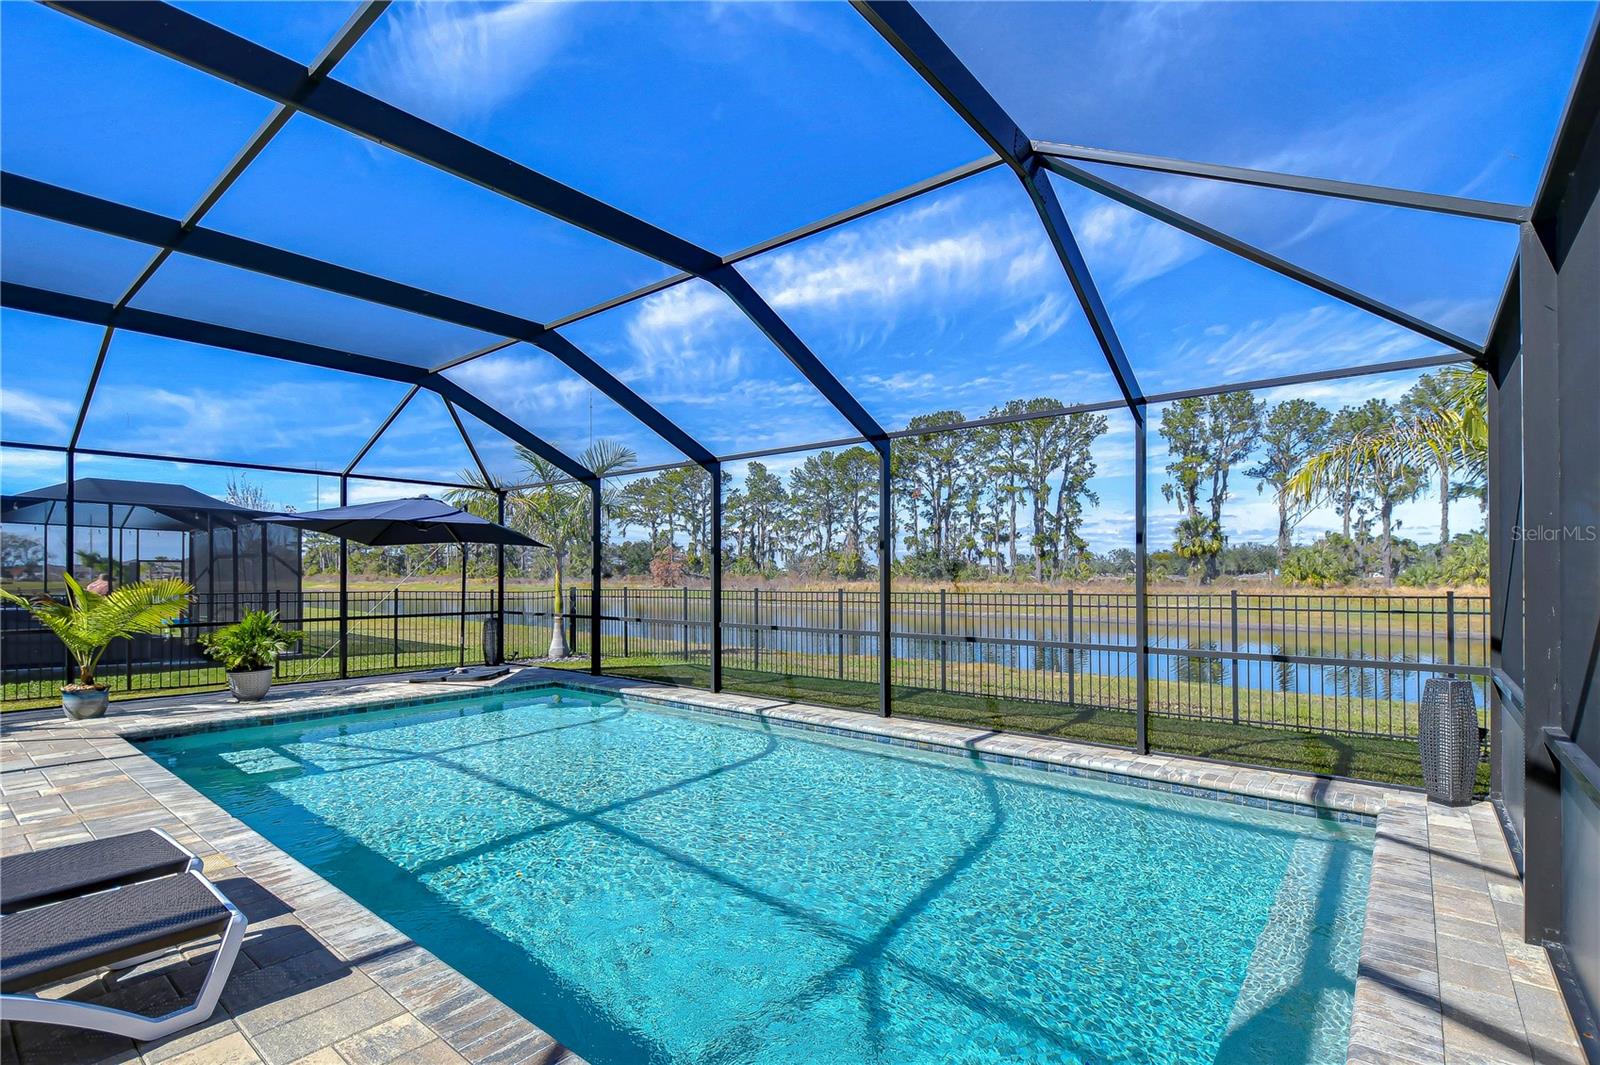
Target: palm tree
pixel 1445 426
pixel 87 622
pixel 552 509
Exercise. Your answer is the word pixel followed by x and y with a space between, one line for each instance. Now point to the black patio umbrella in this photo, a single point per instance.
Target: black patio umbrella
pixel 392 522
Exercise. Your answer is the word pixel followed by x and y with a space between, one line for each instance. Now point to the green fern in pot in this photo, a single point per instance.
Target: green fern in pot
pixel 248 649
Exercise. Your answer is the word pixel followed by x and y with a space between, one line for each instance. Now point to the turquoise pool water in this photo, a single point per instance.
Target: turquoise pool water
pixel 657 885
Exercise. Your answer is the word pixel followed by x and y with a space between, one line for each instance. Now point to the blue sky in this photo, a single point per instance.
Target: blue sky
pixel 729 123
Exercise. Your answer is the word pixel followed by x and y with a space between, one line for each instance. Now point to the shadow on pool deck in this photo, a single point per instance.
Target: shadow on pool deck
pixel 283 973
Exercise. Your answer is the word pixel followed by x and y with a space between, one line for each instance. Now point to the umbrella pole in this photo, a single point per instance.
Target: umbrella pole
pixel 461 642
pixel 500 589
pixel 595 561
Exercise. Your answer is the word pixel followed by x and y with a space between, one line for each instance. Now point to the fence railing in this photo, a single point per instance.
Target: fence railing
pixel 1348 664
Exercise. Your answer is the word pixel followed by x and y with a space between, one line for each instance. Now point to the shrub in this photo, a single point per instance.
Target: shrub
pixel 253 643
pixel 1325 563
pixel 667 568
pixel 1465 561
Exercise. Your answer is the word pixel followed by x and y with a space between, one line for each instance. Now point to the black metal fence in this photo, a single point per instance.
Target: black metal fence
pixel 389 631
pixel 1347 664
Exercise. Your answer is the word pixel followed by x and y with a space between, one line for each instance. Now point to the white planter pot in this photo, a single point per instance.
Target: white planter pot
pixel 81 706
pixel 250 687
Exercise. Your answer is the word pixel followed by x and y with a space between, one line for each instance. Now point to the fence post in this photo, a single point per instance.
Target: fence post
pixel 755 619
pixel 597 529
pixel 714 472
pixel 500 584
pixel 572 620
pixel 841 633
pixel 944 646
pixel 1141 597
pixel 1450 628
pixel 396 626
pixel 1233 609
pixel 624 621
pixel 1072 652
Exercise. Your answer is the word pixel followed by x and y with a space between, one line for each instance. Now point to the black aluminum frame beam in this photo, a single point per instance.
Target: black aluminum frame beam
pixel 93 383
pixel 1556 264
pixel 1176 219
pixel 833 221
pixel 811 229
pixel 1542 492
pixel 232 464
pixel 472 449
pixel 42 301
pixel 383 427
pixel 1461 206
pixel 910 35
pixel 354 28
pixel 199 44
pixel 204 46
pixel 45 200
pixel 343 41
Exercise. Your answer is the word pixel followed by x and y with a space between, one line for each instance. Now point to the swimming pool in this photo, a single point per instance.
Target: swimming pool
pixel 652 884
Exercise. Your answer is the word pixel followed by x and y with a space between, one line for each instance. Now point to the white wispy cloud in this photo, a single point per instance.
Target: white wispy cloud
pixel 1141 39
pixel 55 416
pixel 686 335
pixel 24 469
pixel 525 384
pixel 1323 336
pixel 1132 248
pixel 955 249
pixel 308 423
pixel 461 61
pixel 1365 144
pixel 361 491
pixel 1043 320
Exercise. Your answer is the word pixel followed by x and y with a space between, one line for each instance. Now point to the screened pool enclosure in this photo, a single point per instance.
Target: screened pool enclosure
pixel 866 354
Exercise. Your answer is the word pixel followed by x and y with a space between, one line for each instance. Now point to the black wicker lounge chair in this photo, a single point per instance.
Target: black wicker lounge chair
pixel 114 928
pixel 38 878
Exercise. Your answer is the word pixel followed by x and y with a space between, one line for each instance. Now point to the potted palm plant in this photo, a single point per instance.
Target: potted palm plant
pixel 87 622
pixel 247 650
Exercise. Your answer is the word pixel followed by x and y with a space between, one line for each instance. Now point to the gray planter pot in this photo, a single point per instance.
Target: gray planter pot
pixel 81 706
pixel 250 687
pixel 1447 733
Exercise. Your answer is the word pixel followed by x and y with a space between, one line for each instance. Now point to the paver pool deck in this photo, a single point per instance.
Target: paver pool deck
pixel 1445 976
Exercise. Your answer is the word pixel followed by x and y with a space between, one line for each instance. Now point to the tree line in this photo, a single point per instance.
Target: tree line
pixel 1362 461
pixel 1008 500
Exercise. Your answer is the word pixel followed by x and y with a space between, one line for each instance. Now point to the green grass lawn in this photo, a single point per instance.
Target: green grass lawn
pixel 1361 757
